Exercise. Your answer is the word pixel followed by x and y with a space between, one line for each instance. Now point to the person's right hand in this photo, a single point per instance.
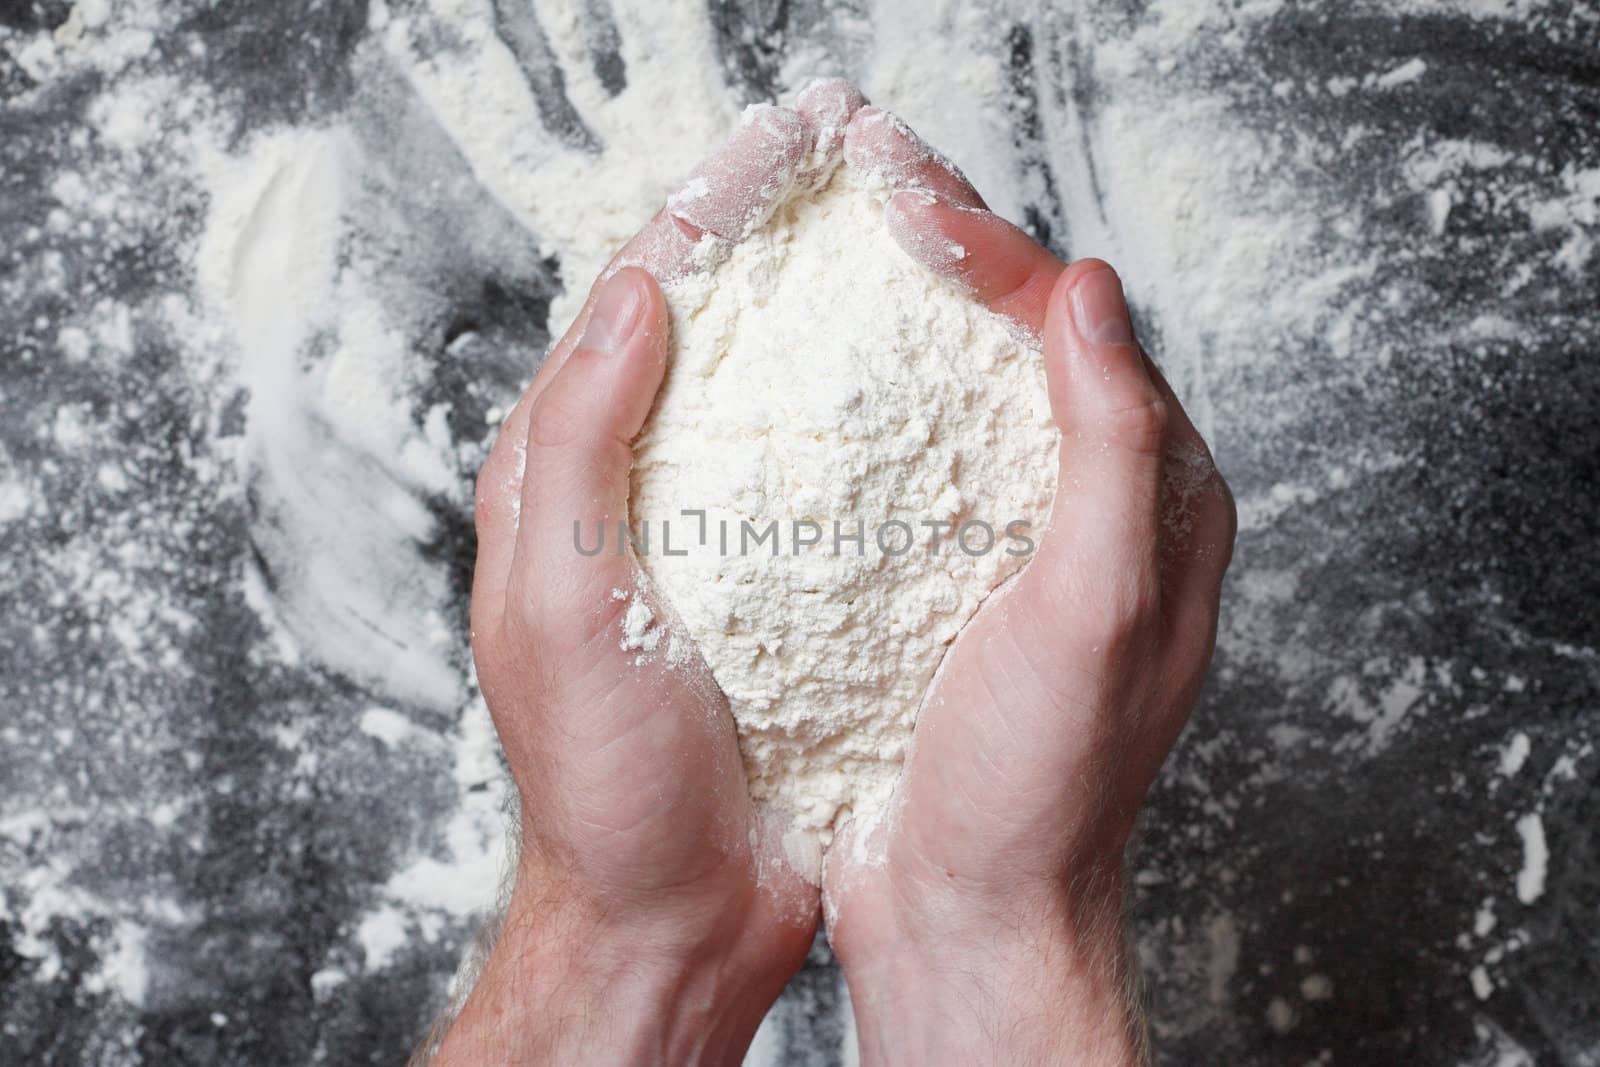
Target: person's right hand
pixel 981 920
pixel 653 917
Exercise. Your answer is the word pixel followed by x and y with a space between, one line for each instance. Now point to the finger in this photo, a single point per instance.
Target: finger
pixel 1198 517
pixel 579 451
pixel 1113 422
pixel 1194 569
pixel 881 148
pixel 664 246
pixel 1197 512
pixel 728 195
pixel 496 510
pixel 1199 522
pixel 1004 269
pixel 736 189
pixel 827 105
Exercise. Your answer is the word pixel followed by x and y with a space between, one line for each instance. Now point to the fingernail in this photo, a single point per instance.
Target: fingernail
pixel 1099 311
pixel 616 315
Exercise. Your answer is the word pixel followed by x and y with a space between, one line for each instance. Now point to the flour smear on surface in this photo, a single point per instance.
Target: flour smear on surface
pixel 1301 237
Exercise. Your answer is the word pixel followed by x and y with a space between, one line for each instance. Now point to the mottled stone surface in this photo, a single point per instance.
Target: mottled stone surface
pixel 243 820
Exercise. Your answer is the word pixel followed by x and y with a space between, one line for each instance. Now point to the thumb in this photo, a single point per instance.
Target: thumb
pixel 1103 535
pixel 580 434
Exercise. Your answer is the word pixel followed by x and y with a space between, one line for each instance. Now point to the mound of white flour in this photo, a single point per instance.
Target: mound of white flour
pixel 821 377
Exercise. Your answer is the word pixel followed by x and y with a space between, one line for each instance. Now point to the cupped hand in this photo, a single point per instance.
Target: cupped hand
pixel 653 918
pixel 990 898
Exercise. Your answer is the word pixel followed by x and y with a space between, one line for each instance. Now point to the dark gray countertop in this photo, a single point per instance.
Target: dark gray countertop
pixel 1378 842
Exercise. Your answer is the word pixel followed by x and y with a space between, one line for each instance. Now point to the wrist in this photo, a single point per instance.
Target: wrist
pixel 567 981
pixel 1040 974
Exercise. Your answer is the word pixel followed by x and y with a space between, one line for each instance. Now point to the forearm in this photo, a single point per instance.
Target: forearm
pixel 565 988
pixel 945 1013
pixel 1042 989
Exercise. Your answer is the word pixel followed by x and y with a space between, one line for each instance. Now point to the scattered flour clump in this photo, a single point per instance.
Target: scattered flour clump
pixel 638 629
pixel 840 415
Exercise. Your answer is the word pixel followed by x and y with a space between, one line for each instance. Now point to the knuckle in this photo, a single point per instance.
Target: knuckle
pixel 1217 525
pixel 491 488
pixel 498 484
pixel 1230 512
pixel 1140 426
pixel 554 420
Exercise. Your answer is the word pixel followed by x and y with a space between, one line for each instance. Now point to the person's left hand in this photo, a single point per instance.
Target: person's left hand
pixel 988 902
